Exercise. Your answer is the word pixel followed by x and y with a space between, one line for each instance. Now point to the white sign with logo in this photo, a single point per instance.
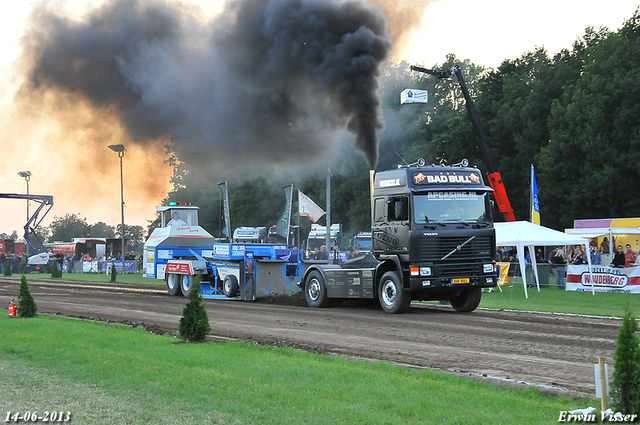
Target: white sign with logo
pixel 603 279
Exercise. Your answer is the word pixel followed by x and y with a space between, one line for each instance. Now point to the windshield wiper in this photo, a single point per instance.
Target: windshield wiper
pixel 460 221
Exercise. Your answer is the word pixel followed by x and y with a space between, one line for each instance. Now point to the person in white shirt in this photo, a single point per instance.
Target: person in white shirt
pixel 176 220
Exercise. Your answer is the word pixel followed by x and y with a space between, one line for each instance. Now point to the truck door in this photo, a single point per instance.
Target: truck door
pixel 391 224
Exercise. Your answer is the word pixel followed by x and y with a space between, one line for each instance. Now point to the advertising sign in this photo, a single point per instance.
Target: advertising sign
pixel 603 279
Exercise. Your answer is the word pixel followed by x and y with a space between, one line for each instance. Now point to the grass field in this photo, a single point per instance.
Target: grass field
pixel 557 301
pixel 111 374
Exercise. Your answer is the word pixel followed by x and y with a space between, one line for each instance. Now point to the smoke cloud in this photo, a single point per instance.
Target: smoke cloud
pixel 266 81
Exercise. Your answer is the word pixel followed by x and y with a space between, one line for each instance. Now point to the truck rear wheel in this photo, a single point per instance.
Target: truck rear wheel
pixel 315 290
pixel 186 282
pixel 392 297
pixel 230 286
pixel 467 301
pixel 173 284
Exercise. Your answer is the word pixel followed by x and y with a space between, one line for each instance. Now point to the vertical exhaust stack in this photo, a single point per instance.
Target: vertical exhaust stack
pixel 372 176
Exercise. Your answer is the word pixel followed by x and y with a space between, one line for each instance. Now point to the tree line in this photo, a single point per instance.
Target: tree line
pixel 70 226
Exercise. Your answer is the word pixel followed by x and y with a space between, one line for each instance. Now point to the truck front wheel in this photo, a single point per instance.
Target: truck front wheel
pixel 173 284
pixel 467 301
pixel 315 290
pixel 393 298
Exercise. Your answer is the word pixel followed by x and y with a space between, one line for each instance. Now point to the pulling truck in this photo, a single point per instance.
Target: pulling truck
pixel 432 239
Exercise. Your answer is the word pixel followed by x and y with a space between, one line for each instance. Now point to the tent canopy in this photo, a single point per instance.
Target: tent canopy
pixel 523 233
pixel 603 231
pixel 528 234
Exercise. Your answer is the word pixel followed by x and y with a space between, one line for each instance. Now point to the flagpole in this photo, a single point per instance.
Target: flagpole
pixel 531 206
pixel 328 233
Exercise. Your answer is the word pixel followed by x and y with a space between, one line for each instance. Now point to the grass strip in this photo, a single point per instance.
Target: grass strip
pixel 128 278
pixel 557 301
pixel 114 374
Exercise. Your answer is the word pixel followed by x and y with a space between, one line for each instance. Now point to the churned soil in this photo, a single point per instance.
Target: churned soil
pixel 555 353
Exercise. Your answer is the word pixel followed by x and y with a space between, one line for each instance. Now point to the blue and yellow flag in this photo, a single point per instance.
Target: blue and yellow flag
pixel 535 207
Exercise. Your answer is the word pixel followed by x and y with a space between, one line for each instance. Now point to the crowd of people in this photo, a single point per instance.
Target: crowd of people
pixel 558 258
pixel 68 263
pixel 17 262
pixel 322 253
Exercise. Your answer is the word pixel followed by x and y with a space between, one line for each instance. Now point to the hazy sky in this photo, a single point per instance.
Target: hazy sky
pixel 85 179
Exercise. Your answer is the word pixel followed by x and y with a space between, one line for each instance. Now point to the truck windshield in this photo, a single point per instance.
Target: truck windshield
pixel 442 207
pixel 363 243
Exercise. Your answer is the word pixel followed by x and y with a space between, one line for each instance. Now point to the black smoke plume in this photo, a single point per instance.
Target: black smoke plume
pixel 265 81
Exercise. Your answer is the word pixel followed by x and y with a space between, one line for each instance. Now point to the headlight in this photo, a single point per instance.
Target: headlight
pixel 422 271
pixel 488 268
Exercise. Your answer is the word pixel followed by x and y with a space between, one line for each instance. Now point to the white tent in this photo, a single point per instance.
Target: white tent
pixel 523 233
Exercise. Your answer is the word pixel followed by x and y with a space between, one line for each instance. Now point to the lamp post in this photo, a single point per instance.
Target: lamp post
pixel 119 149
pixel 27 177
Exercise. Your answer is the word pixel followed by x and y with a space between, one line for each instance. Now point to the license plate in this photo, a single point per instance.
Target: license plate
pixel 465 280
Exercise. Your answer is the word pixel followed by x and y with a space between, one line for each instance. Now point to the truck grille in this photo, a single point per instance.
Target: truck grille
pixel 480 249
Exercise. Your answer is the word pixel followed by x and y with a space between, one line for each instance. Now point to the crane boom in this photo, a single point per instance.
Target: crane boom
pixel 33 221
pixel 495 178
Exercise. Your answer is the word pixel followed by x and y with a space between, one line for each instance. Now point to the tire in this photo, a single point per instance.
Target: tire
pixel 173 284
pixel 186 284
pixel 230 286
pixel 315 290
pixel 467 301
pixel 393 299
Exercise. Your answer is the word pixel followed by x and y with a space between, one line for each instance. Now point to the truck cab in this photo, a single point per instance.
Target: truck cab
pixel 433 225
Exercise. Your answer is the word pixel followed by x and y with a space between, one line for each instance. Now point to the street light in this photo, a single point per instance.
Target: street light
pixel 27 177
pixel 119 149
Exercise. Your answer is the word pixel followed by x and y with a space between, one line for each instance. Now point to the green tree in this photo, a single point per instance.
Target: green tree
pixel 194 323
pixel 595 132
pixel 134 236
pixel 113 273
pixel 68 227
pixel 26 305
pixel 102 230
pixel 7 267
pixel 626 373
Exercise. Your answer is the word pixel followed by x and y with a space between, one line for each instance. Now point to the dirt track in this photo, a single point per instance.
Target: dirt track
pixel 556 352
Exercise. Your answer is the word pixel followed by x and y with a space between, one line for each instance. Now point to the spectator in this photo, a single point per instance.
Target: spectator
pixel 3 260
pixel 618 258
pixel 323 254
pixel 559 263
pixel 176 220
pixel 58 261
pixel 628 256
pixel 578 257
pixel 604 245
pixel 596 257
pixel 636 259
pixel 539 256
pixel 70 263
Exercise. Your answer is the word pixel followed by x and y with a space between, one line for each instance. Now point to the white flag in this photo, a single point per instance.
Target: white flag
pixel 308 208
